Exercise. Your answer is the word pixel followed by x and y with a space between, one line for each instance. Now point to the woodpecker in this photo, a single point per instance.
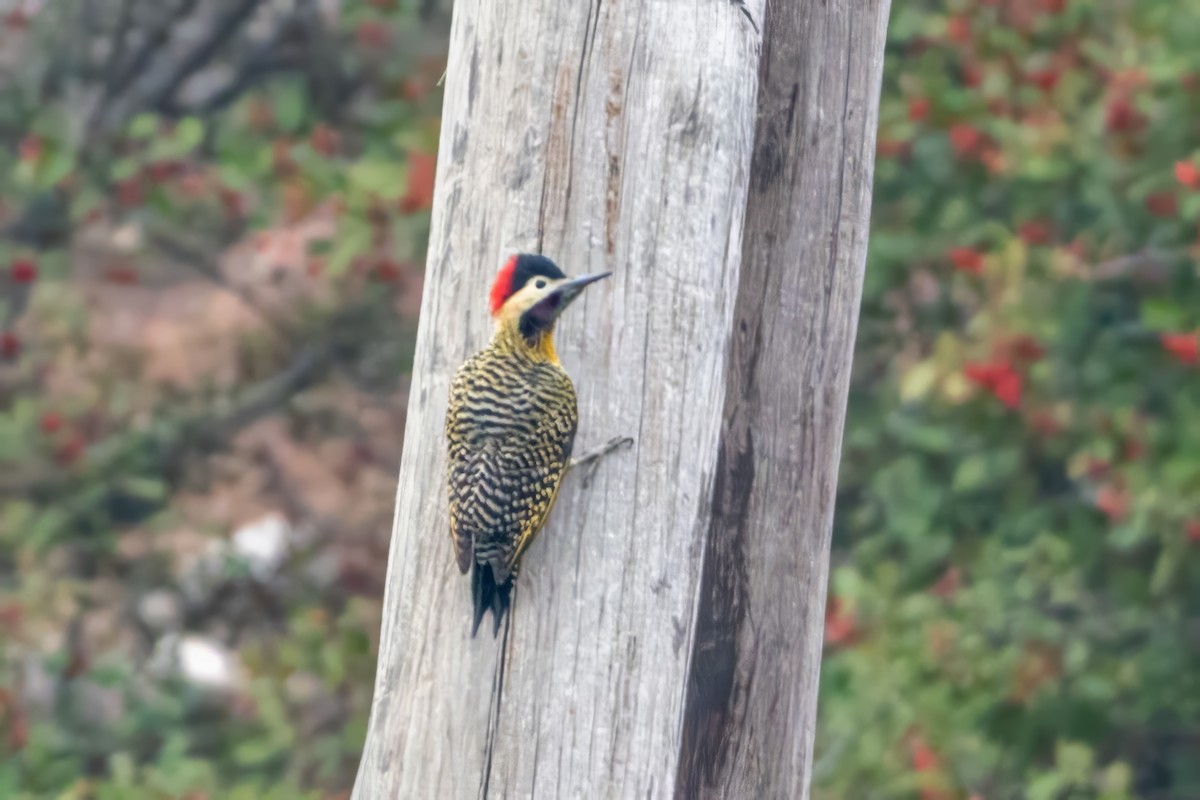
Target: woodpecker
pixel 510 429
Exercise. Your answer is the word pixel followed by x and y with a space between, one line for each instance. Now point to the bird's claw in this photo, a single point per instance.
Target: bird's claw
pixel 591 459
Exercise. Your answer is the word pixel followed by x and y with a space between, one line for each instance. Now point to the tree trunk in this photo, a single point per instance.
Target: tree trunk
pixel 666 633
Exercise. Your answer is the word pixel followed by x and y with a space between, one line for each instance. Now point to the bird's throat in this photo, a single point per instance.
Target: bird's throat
pixel 536 343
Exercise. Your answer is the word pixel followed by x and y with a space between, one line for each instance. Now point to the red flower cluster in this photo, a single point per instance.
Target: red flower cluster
pixel 966 260
pixel 1185 347
pixel 23 270
pixel 1113 500
pixel 841 627
pixel 1035 232
pixel 1044 79
pixel 388 271
pixel 998 377
pixel 31 148
pixel 1122 117
pixel 965 139
pixel 1188 174
pixel 918 108
pixel 1162 204
pixel 958 29
pixel 10 345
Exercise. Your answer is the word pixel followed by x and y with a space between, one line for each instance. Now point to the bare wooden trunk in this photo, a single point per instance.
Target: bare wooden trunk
pixel 757 635
pixel 666 632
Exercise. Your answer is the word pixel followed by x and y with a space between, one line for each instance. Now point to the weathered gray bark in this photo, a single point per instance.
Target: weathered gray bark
pixel 756 639
pixel 666 631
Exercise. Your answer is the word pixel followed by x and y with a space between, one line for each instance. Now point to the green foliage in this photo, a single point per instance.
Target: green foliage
pixel 327 120
pixel 1013 611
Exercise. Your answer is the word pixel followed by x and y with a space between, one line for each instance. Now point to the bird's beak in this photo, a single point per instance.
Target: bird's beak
pixel 572 288
pixel 553 304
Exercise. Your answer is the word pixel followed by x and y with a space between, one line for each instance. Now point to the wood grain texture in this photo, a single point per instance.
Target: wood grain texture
pixel 756 650
pixel 610 135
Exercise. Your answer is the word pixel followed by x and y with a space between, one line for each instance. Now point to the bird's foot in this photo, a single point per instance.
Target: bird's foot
pixel 591 459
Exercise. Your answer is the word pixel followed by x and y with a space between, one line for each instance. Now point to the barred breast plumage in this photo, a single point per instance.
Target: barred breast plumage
pixel 510 429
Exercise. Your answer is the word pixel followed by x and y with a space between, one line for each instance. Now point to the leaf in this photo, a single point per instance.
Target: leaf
pixel 1046 786
pixel 186 137
pixel 353 239
pixel 1115 781
pixel 1163 314
pixel 1165 568
pixel 122 768
pixel 980 469
pixel 54 169
pixel 917 433
pixel 143 126
pixel 1189 209
pixel 255 752
pixel 1074 761
pixel 917 381
pixel 189 133
pixel 145 488
pixel 380 177
pixel 291 106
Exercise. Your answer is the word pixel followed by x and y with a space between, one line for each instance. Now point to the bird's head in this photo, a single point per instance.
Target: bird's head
pixel 530 292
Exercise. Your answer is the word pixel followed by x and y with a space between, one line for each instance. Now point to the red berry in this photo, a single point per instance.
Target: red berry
pixel 162 171
pixel 70 451
pixel 1185 347
pixel 51 422
pixel 949 584
pixel 999 378
pixel 10 345
pixel 23 270
pixel 841 626
pixel 924 758
pixel 129 192
pixel 324 140
pixel 1044 79
pixel 984 374
pixel 1162 204
pixel 388 272
pixel 1026 348
pixel 965 139
pixel 966 260
pixel 1188 174
pixel 892 148
pixel 918 108
pixel 31 148
pixel 1044 423
pixel 232 201
pixel 1113 500
pixel 281 157
pixel 1192 531
pixel 1034 232
pixel 1008 389
pixel 1122 117
pixel 958 29
pixel 121 275
pixel 372 34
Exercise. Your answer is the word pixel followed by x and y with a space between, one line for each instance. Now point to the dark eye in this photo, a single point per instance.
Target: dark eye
pixel 539 283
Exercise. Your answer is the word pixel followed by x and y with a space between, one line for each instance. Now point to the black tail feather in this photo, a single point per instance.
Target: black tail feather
pixel 488 594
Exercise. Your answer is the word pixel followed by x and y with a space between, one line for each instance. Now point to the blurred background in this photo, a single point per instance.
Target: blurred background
pixel 213 216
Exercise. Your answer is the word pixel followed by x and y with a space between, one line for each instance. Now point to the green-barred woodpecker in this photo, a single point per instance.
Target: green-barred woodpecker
pixel 510 427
